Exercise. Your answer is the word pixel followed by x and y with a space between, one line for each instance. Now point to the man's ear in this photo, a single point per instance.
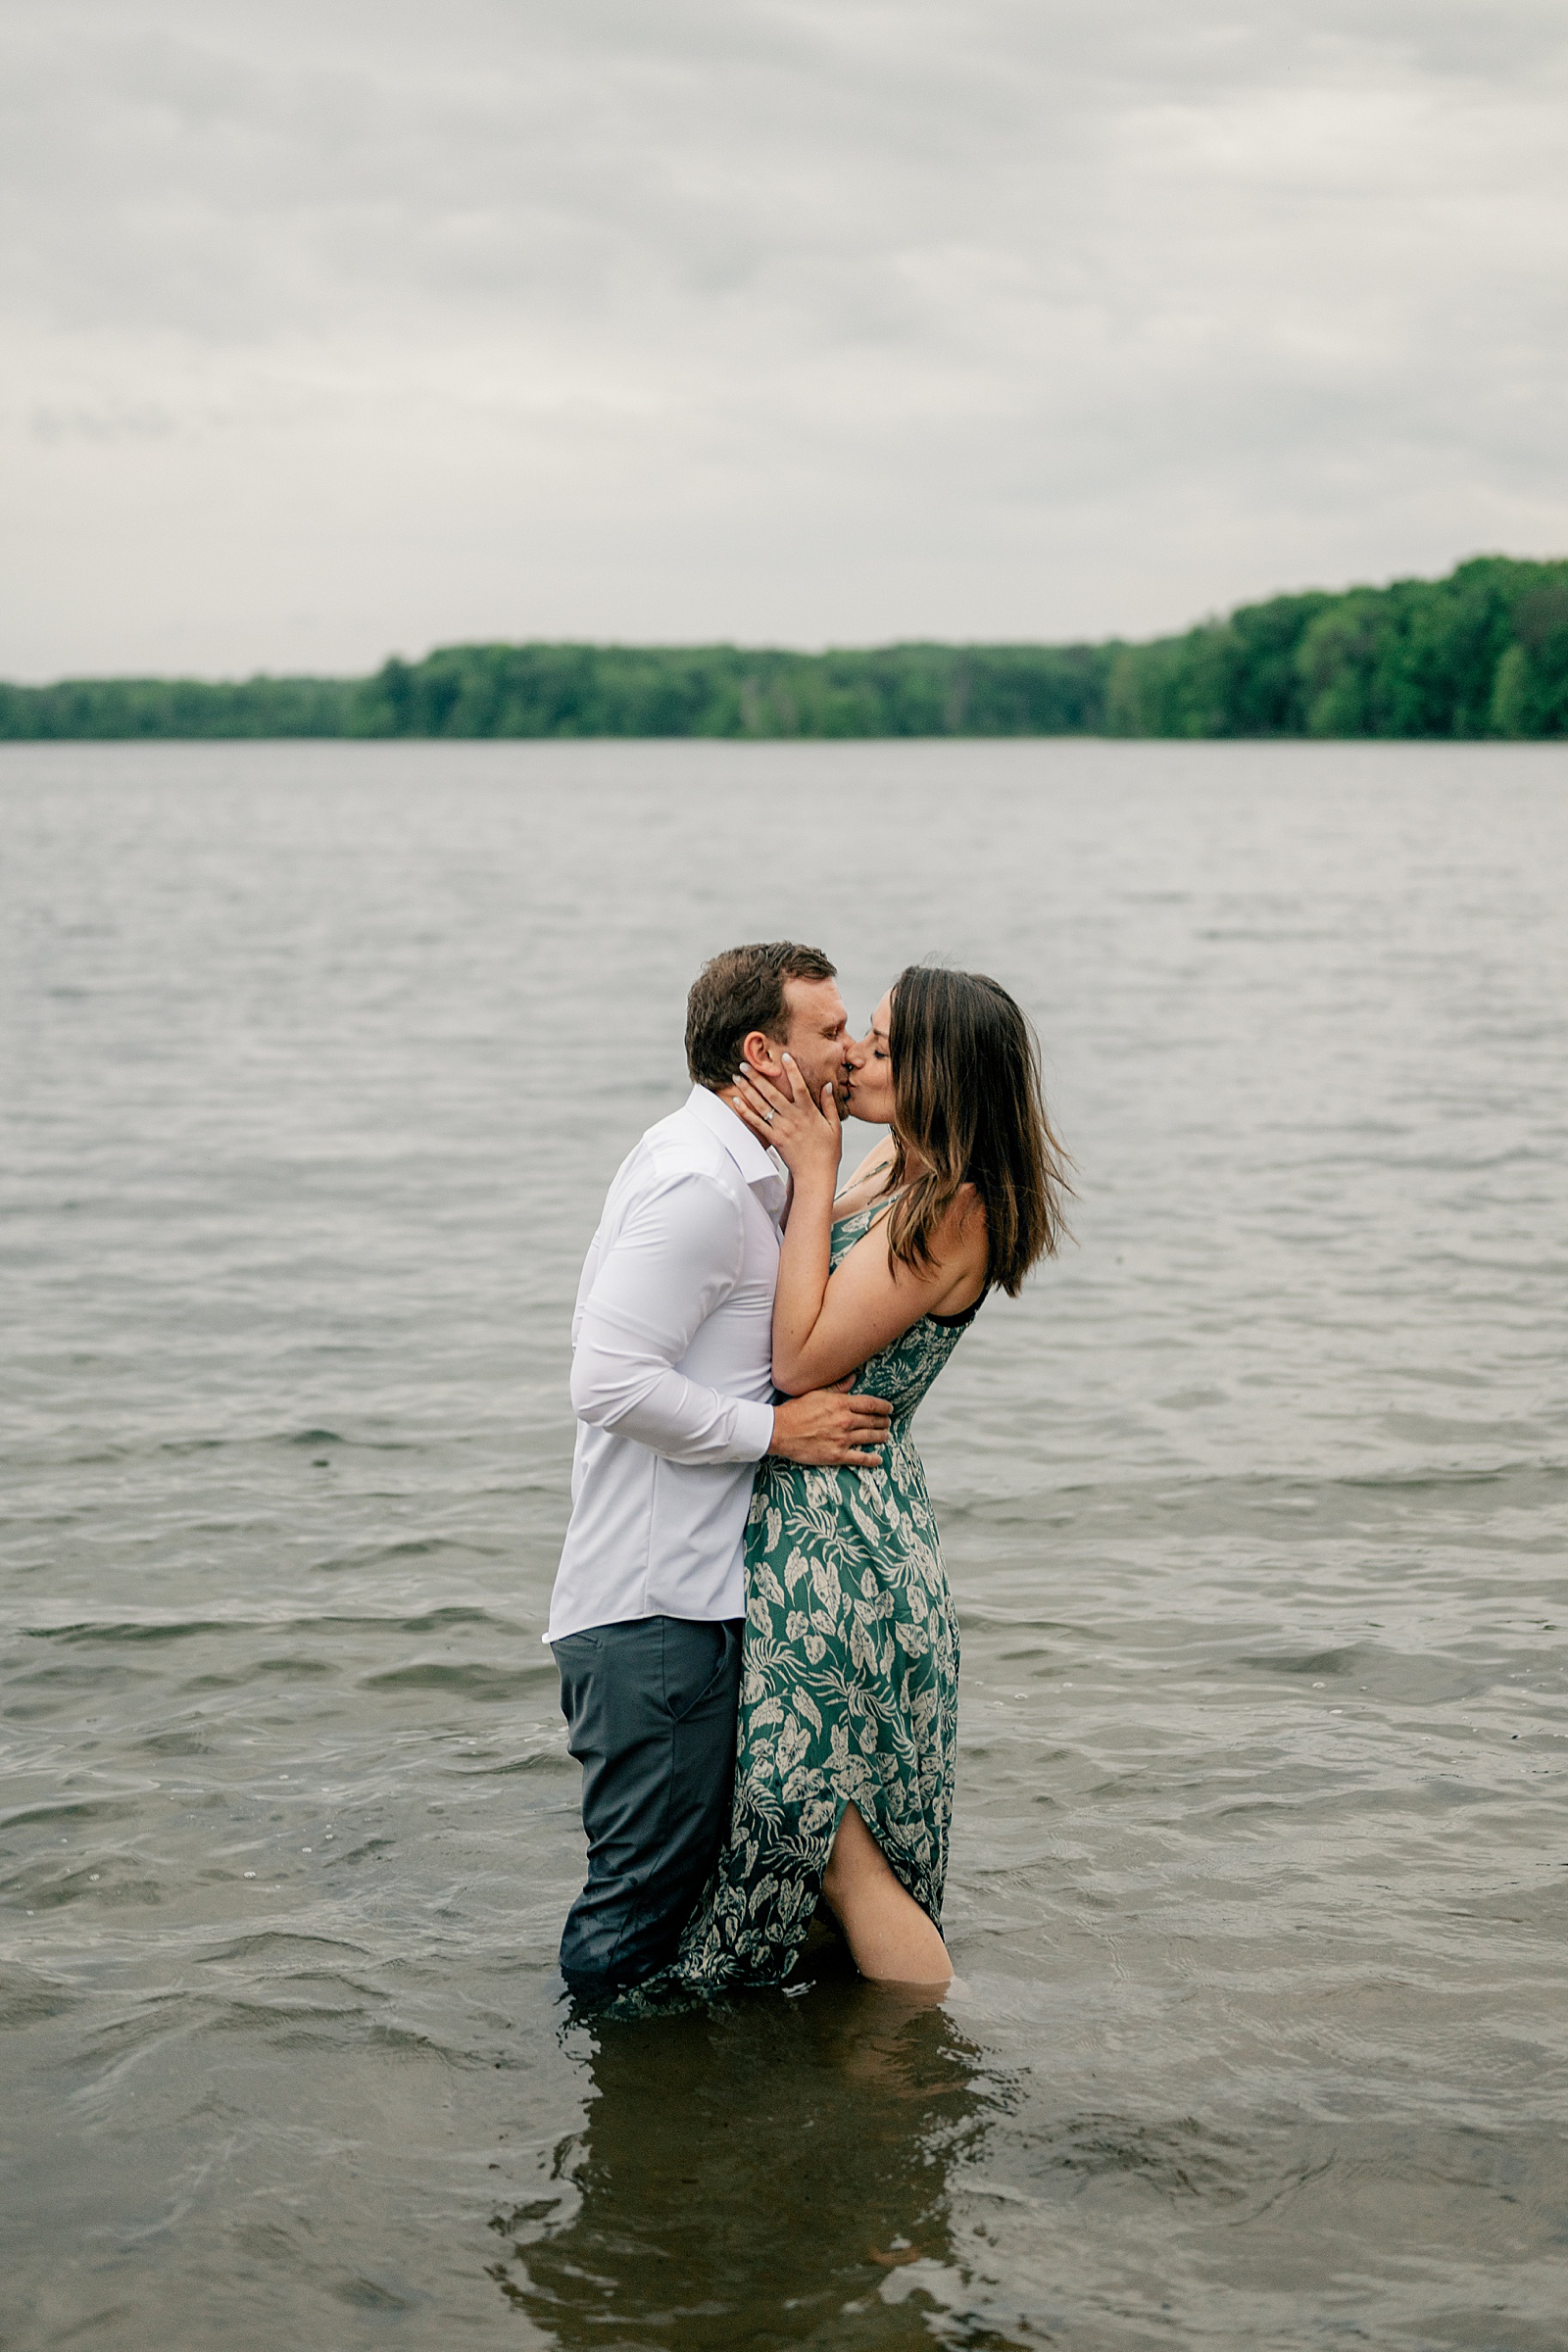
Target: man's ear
pixel 758 1052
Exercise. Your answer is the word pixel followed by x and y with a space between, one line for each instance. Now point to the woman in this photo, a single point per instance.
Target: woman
pixel 848 1694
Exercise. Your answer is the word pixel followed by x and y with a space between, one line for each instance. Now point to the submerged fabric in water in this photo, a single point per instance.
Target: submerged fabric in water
pixel 849 1685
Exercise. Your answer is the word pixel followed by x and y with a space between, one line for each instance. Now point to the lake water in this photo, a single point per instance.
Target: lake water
pixel 317 1061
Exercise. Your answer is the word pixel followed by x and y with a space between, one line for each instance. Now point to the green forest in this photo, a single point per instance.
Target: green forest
pixel 1482 653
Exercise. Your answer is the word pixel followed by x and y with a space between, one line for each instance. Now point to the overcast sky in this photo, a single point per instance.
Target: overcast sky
pixel 333 329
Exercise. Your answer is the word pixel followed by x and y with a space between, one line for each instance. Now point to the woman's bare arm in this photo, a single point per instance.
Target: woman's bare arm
pixel 868 1301
pixel 822 1318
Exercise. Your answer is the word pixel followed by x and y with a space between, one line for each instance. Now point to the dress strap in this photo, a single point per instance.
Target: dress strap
pixel 962 1322
pixel 873 1211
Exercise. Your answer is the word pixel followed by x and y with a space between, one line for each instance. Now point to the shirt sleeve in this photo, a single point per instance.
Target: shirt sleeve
pixel 675 1257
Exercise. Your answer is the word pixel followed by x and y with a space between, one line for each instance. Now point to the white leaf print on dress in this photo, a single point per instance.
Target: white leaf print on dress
pixel 851 1698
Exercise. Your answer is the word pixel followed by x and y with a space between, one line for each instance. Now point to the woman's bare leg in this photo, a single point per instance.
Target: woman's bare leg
pixel 890 1936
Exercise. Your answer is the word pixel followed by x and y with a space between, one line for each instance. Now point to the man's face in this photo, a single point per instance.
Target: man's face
pixel 818 1035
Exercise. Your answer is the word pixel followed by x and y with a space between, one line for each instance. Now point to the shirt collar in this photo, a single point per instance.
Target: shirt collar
pixel 755 1160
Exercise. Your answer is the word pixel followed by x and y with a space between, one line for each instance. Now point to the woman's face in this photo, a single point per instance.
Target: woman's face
pixel 871 1070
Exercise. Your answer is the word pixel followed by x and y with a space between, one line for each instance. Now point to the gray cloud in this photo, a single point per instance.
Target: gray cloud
pixel 333 328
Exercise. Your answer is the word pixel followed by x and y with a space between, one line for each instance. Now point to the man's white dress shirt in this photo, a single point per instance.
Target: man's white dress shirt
pixel 671 1375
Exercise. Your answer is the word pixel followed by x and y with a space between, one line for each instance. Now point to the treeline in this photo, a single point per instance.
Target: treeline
pixel 1481 654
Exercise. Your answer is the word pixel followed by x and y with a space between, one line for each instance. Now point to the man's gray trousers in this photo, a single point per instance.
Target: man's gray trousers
pixel 650 1708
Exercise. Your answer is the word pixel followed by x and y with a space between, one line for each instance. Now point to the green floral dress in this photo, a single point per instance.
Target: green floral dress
pixel 849 1683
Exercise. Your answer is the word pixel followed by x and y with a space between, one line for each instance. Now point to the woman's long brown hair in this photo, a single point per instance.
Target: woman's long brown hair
pixel 969 1107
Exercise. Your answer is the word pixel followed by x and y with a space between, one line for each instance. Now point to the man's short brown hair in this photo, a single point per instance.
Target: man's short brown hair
pixel 740 991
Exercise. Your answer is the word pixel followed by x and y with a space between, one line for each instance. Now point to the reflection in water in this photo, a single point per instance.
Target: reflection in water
pixel 773 2171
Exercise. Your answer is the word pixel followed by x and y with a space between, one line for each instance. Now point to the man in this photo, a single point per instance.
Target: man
pixel 672 1382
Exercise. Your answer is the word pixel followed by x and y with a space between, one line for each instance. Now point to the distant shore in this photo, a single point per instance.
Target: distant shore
pixel 1479 654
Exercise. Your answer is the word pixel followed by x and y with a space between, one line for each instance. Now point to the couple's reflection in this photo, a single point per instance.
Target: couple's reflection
pixel 773 2171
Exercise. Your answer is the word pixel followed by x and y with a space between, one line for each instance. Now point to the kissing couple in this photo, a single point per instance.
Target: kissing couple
pixel 758 1653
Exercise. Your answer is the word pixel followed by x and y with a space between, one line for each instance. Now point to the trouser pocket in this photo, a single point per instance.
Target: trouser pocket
pixel 697 1660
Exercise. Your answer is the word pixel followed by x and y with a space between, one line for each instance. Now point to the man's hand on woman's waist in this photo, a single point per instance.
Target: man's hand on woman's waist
pixel 831 1429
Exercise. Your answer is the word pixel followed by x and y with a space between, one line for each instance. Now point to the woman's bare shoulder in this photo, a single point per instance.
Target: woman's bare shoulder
pixel 962 1233
pixel 958 1248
